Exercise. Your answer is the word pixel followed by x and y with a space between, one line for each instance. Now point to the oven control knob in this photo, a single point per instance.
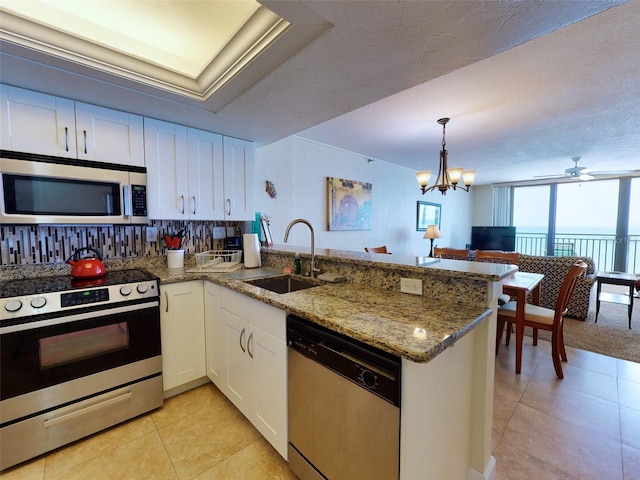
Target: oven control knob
pixel 38 302
pixel 142 288
pixel 125 291
pixel 13 305
pixel 368 378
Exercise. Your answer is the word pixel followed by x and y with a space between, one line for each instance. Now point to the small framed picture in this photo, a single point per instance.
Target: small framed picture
pixel 427 214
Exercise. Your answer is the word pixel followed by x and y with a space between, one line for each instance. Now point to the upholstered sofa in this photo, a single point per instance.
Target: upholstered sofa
pixel 554 270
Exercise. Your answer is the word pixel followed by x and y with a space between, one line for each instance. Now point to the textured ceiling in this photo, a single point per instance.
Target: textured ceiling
pixel 527 85
pixel 521 113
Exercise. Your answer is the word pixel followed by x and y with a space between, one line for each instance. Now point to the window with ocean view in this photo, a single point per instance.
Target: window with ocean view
pixel 597 219
pixel 633 257
pixel 586 220
pixel 531 219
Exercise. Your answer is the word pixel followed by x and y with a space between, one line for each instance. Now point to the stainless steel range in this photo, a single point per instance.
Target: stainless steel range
pixel 76 357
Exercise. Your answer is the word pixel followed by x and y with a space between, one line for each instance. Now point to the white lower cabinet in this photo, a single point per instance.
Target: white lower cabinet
pixel 236 341
pixel 183 333
pixel 237 363
pixel 269 388
pixel 213 333
pixel 254 363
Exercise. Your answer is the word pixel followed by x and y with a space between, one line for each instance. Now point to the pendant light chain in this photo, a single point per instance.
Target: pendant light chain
pixel 444 143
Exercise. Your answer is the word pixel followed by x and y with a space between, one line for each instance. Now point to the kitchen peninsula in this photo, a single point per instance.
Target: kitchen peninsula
pixel 445 338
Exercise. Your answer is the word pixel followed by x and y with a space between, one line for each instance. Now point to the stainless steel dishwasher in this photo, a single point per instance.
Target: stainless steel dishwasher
pixel 344 406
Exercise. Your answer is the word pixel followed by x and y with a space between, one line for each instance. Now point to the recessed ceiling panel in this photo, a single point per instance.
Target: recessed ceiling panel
pixel 182 36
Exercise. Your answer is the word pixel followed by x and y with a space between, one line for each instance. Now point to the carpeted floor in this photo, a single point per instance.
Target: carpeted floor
pixel 611 335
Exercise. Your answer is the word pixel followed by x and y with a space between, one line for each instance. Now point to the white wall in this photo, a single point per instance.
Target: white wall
pixel 482 211
pixel 298 168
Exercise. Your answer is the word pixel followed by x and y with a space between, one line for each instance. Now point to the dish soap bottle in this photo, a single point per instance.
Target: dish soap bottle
pixel 297 267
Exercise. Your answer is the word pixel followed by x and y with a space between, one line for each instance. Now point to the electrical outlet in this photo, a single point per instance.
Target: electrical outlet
pixel 152 234
pixel 411 285
pixel 219 232
pixel 231 231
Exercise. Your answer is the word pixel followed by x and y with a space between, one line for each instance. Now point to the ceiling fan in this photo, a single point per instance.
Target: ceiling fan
pixel 584 173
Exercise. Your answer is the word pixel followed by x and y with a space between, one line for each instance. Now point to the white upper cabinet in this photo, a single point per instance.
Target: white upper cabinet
pixel 43 124
pixel 110 136
pixel 184 172
pixel 206 175
pixel 191 174
pixel 165 147
pixel 197 175
pixel 238 179
pixel 33 122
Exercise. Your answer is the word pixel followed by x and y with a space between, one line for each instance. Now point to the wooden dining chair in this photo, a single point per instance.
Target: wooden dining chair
pixel 382 249
pixel 545 318
pixel 497 256
pixel 451 253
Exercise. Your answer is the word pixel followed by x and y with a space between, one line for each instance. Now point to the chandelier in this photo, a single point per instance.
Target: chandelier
pixel 447 177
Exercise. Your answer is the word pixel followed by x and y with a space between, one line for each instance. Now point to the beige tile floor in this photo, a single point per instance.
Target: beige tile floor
pixel 586 426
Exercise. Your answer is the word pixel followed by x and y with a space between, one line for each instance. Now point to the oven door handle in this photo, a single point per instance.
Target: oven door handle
pixel 74 318
pixel 94 404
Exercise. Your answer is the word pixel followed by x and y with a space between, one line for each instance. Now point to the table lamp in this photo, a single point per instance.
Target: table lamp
pixel 431 233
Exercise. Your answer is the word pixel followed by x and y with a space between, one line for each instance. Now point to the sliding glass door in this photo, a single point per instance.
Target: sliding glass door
pixel 597 219
pixel 586 221
pixel 531 219
pixel 633 239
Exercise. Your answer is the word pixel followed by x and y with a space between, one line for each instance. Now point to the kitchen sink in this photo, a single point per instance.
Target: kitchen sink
pixel 283 284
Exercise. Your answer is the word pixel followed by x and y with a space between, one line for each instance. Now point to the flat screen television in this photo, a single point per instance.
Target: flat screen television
pixel 493 238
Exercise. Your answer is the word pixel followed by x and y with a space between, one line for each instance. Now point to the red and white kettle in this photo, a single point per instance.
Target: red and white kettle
pixel 86 267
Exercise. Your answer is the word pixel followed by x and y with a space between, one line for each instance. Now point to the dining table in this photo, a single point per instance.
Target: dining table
pixel 519 285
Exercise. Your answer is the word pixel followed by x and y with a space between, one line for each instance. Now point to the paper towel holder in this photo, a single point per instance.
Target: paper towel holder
pixel 251 246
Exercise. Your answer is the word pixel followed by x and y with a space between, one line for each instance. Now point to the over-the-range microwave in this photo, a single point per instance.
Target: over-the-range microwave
pixel 41 189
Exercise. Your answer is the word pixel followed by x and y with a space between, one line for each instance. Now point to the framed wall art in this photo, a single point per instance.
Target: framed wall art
pixel 427 214
pixel 349 204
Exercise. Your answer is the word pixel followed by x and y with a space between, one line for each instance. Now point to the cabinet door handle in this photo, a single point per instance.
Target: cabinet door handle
pixel 66 138
pixel 228 206
pixel 249 345
pixel 194 204
pixel 166 298
pixel 182 200
pixel 242 346
pixel 85 141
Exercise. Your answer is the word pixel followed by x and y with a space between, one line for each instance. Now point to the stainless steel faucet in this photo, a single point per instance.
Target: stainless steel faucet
pixel 312 270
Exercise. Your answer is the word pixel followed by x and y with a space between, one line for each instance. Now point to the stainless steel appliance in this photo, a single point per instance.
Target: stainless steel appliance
pixel 344 406
pixel 47 190
pixel 76 356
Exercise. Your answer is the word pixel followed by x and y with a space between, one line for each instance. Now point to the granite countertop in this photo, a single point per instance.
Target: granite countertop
pixel 483 271
pixel 410 326
pixel 414 327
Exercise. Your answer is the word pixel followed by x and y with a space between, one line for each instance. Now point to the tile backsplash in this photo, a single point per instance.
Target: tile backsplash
pixel 36 244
